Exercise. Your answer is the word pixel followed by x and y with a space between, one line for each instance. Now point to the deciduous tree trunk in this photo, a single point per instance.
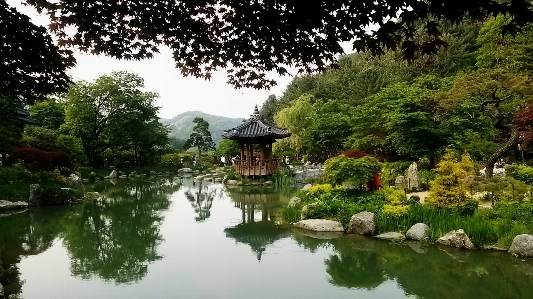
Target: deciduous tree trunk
pixel 512 142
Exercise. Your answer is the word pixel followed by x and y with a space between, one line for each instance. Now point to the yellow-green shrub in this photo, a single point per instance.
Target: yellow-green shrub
pixel 393 196
pixel 448 189
pixel 395 210
pixel 317 190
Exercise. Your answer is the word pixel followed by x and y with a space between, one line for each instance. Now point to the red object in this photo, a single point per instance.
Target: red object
pixel 376 181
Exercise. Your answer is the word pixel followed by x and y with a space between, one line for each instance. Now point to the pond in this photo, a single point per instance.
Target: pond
pixel 174 238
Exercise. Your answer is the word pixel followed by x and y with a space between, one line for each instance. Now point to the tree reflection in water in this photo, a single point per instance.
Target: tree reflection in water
pixel 115 238
pixel 26 233
pixel 201 199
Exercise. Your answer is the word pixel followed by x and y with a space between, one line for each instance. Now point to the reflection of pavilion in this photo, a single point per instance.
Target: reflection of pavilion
pixel 261 233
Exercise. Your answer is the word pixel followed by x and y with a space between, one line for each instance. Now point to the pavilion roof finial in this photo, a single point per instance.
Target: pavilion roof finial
pixel 256 114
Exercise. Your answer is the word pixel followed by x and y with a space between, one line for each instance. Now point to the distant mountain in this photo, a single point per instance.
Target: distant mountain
pixel 181 125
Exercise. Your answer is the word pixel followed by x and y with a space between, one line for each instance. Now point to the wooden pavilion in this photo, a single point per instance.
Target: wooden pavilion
pixel 255 136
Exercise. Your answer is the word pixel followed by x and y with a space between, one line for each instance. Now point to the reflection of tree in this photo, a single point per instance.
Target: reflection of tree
pixel 26 233
pixel 117 237
pixel 201 199
pixel 356 269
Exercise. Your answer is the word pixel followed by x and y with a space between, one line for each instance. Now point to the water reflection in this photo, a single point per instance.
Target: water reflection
pixel 257 234
pixel 27 233
pixel 430 272
pixel 117 237
pixel 114 238
pixel 201 198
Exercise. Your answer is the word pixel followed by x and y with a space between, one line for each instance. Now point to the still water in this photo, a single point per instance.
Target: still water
pixel 174 239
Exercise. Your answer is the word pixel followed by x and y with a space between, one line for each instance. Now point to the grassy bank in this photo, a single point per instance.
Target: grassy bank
pixel 15 185
pixel 394 212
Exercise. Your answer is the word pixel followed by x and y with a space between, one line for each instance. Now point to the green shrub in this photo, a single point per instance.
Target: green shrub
pixel 413 200
pixel 520 172
pixel 342 169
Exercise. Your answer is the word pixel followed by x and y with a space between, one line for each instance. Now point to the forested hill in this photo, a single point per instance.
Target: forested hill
pixel 181 125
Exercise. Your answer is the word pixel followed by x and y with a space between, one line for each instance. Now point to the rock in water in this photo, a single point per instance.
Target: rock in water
pixel 36 195
pixel 522 245
pixel 418 232
pixel 394 236
pixel 9 205
pixel 75 181
pixel 456 238
pixel 320 225
pixel 364 223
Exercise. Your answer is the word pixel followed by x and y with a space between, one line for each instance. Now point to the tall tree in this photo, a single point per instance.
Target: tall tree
pixel 200 137
pixel 49 113
pixel 269 108
pixel 107 112
pixel 251 38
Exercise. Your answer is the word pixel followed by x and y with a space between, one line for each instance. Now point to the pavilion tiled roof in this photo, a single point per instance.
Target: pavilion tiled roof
pixel 256 127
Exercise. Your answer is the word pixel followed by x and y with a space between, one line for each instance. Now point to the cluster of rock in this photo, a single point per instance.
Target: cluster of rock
pixel 214 176
pixel 239 183
pixel 365 223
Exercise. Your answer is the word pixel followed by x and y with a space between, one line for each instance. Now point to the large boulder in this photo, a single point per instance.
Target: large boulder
pixel 36 195
pixel 418 232
pixel 232 182
pixel 293 202
pixel 522 245
pixel 393 236
pixel 185 170
pixel 320 225
pixel 75 181
pixel 113 174
pixel 10 205
pixel 364 223
pixel 456 238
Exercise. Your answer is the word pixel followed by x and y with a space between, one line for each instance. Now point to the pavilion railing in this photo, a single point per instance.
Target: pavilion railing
pixel 256 167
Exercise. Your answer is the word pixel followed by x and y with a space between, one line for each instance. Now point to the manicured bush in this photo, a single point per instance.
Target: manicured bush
pixel 36 160
pixel 33 159
pixel 343 169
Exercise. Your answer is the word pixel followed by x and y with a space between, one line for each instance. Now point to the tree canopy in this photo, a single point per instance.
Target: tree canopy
pixel 200 136
pixel 251 38
pixel 32 65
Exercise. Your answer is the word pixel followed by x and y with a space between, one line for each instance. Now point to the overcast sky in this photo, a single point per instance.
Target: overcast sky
pixel 176 93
